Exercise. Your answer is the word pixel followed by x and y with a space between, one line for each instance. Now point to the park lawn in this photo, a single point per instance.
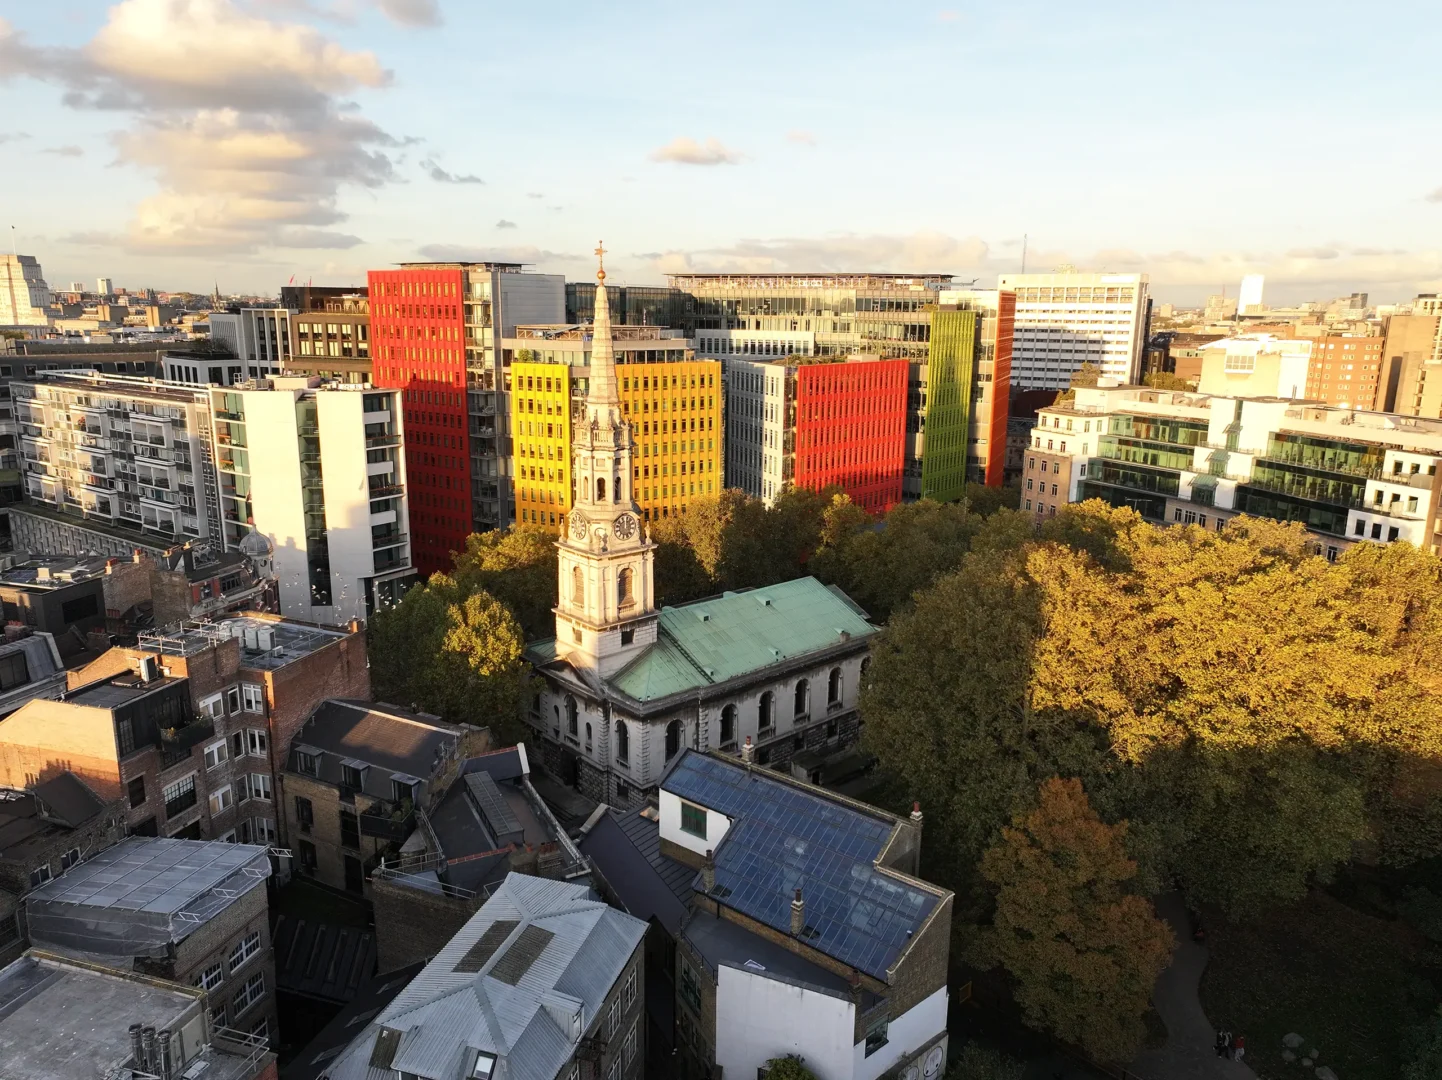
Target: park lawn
pixel 1341 979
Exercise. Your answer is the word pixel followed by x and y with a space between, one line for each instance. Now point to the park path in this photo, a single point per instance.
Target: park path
pixel 1190 1050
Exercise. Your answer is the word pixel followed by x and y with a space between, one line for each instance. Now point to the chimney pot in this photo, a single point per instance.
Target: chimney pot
pixel 747 751
pixel 916 812
pixel 798 915
pixel 708 872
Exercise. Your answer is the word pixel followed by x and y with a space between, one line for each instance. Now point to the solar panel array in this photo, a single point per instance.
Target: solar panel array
pixel 524 952
pixel 486 945
pixel 782 839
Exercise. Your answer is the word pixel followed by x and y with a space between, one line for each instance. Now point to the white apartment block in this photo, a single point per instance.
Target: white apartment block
pixel 1066 320
pixel 259 337
pixel 1188 458
pixel 1256 365
pixel 317 468
pixel 755 426
pixel 24 296
pixel 774 343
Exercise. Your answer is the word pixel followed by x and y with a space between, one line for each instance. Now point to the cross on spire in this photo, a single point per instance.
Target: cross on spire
pixel 601 260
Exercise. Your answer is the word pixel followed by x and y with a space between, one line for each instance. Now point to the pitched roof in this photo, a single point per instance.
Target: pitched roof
pixel 393 741
pixel 626 848
pixel 563 952
pixel 787 836
pixel 734 634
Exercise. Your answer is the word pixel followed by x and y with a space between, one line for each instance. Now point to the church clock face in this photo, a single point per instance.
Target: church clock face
pixel 578 526
pixel 625 526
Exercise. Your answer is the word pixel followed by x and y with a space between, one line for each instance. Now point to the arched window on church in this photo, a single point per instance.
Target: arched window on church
pixel 570 716
pixel 833 687
pixel 673 739
pixel 578 587
pixel 588 738
pixel 616 490
pixel 866 671
pixel 600 489
pixel 803 697
pixel 766 712
pixel 625 594
pixel 728 726
pixel 556 729
pixel 623 742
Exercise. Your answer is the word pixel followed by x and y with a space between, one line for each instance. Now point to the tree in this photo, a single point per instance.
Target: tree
pixel 1086 375
pixel 1085 953
pixel 517 566
pixel 976 1062
pixel 986 500
pixel 789 1067
pixel 1423 1050
pixel 1166 380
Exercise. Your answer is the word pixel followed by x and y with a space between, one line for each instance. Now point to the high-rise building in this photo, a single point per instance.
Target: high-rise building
pixel 330 335
pixel 24 296
pixel 104 287
pixel 258 336
pixel 814 424
pixel 1065 320
pixel 1249 297
pixel 1346 370
pixel 633 305
pixel 434 336
pixel 964 393
pixel 319 470
pixel 1412 351
pixel 674 402
pixel 1192 458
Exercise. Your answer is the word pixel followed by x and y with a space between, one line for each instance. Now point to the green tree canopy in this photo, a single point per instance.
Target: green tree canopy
pixel 1084 952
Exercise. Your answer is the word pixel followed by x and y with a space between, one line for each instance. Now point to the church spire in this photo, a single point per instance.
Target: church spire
pixel 602 401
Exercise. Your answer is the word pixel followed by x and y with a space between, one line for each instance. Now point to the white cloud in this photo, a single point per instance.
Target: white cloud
pixel 440 176
pixel 411 12
pixel 686 151
pixel 1436 196
pixel 504 224
pixel 921 252
pixel 948 16
pixel 12 136
pixel 237 116
pixel 64 151
pixel 482 253
pixel 801 138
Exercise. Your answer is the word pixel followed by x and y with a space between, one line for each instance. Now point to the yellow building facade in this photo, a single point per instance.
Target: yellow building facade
pixel 675 413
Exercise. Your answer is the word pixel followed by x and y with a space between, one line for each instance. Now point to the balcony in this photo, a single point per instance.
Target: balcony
pixel 386 491
pixel 388 539
pixel 390 439
pixel 385 823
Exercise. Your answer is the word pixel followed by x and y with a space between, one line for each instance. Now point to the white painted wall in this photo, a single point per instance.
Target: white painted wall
pixel 908 1033
pixel 716 826
pixel 758 1018
pixel 275 493
pixel 347 501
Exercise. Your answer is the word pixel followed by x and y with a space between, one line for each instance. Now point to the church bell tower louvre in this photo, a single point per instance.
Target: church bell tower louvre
pixel 606 614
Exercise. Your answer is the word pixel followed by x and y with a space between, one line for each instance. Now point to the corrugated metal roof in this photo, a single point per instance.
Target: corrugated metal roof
pixel 445 1016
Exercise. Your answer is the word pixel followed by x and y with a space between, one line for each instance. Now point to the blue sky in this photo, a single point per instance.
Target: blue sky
pixel 175 143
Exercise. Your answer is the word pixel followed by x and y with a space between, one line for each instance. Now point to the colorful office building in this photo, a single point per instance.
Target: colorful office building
pixel 817 424
pixel 434 331
pixel 672 400
pixel 960 395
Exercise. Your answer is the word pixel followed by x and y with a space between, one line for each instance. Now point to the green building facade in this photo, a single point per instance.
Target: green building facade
pixel 942 404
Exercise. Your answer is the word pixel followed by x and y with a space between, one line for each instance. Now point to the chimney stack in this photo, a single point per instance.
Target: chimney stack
pixel 708 873
pixel 916 824
pixel 147 1049
pixel 747 751
pixel 798 915
pixel 916 814
pixel 137 1050
pixel 164 1066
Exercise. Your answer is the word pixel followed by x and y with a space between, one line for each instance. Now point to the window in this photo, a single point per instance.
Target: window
pixel 578 587
pixel 232 699
pixel 673 739
pixel 244 949
pixel 252 698
pixel 628 992
pixel 631 1041
pixel 876 1037
pixel 350 778
pixel 693 820
pixel 305 763
pixel 349 829
pixel 728 725
pixel 257 742
pixel 765 711
pixel 179 796
pixel 833 687
pixel 571 716
pixel 623 742
pixel 251 992
pixel 40 875
pixel 215 754
pixel 304 814
pixel 485 1065
pixel 211 977
pixel 624 594
pixel 690 986
pixel 212 707
pixel 221 799
pixel 260 786
pixel 69 859
pixel 136 790
pixel 13 671
pixel 613 1021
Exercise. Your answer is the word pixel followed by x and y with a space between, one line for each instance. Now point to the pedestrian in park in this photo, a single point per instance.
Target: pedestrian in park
pixel 1226 1047
pixel 1221 1043
pixel 1239 1047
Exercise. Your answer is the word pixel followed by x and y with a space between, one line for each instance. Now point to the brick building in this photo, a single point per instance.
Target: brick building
pixel 68 1019
pixel 356 775
pixel 792 921
pixel 544 982
pixel 190 912
pixel 1346 370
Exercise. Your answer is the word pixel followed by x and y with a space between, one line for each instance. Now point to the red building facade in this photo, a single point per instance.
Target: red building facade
pixel 418 347
pixel 850 429
pixel 999 405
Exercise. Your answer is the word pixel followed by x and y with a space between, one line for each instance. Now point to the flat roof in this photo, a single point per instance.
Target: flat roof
pixel 116 691
pixel 265 643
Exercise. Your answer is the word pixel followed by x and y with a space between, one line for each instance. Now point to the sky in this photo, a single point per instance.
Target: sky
pixel 181 144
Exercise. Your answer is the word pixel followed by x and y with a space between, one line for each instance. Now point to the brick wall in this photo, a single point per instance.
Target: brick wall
pixel 325 832
pixel 44 738
pixel 127 586
pixel 413 925
pixel 339 670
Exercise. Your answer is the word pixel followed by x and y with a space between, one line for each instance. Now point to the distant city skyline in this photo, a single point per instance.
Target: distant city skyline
pixel 175 144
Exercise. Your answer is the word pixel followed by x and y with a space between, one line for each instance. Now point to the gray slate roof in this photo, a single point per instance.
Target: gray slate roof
pixel 626 848
pixel 445 1016
pixel 394 743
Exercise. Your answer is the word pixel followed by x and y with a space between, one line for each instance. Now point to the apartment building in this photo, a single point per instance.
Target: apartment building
pixel 673 399
pixel 1412 350
pixel 562 968
pixel 1346 370
pixel 1065 320
pixel 185 911
pixel 330 335
pixel 1257 365
pixel 355 777
pixel 829 422
pixel 1195 458
pixel 69 1018
pixel 832 949
pixel 319 470
pixel 259 337
pixel 24 296
pixel 436 330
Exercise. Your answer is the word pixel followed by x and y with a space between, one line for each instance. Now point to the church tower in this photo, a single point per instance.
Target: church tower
pixel 606 614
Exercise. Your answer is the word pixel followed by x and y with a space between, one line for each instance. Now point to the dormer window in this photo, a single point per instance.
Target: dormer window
pixel 484 1067
pixel 351 778
pixel 306 763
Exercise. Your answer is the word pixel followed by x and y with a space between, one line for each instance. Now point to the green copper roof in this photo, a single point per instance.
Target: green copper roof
pixel 714 640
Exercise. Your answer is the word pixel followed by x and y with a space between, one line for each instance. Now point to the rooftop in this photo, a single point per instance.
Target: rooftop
pixel 31 818
pixel 111 693
pixel 143 894
pixel 312 1062
pixel 626 846
pixel 817 279
pixel 522 980
pixel 406 746
pixel 267 643
pixel 786 836
pixel 119 385
pixel 61 1020
pixel 42 572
